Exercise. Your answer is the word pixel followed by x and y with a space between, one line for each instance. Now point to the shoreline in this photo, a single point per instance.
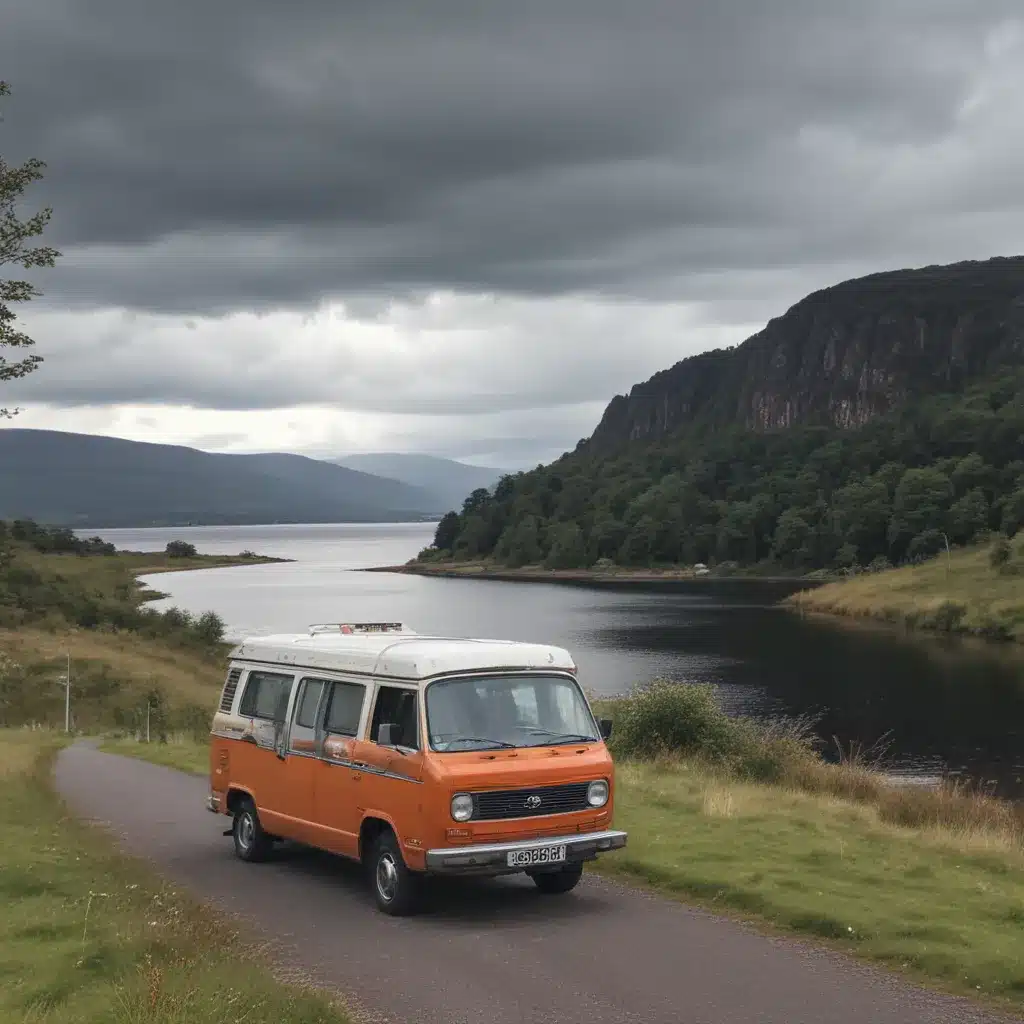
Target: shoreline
pixel 599 577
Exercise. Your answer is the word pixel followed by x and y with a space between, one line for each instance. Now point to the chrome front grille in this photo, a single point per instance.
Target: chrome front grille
pixel 493 805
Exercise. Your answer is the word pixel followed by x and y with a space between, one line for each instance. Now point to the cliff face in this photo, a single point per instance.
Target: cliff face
pixel 841 356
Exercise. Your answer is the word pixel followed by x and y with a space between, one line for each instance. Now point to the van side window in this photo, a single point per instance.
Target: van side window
pixel 344 709
pixel 397 707
pixel 266 695
pixel 305 712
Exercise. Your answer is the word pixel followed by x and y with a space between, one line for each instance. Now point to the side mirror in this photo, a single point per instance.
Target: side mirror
pixel 387 734
pixel 606 728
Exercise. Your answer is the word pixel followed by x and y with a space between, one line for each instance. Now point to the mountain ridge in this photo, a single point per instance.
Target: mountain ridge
pixel 86 480
pixel 840 356
pixel 449 479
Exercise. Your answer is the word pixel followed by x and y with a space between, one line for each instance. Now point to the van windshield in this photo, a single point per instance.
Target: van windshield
pixel 495 712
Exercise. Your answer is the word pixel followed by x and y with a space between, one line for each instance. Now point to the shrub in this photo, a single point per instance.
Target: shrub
pixel 674 718
pixel 209 628
pixel 176 618
pixel 946 617
pixel 180 549
pixel 667 719
pixel 999 554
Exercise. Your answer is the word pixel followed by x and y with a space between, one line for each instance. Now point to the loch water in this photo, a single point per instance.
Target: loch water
pixel 945 707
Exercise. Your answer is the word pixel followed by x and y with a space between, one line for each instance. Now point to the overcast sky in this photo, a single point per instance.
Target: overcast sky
pixel 461 227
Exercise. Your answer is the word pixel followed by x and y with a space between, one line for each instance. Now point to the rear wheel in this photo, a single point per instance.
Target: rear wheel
pixel 396 889
pixel 554 882
pixel 251 842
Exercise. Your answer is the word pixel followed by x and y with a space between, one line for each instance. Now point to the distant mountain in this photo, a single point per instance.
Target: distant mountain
pixel 85 481
pixel 449 480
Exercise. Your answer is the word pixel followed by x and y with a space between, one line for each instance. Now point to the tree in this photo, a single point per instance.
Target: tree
pixel 568 549
pixel 180 549
pixel 968 516
pixel 920 505
pixel 524 543
pixel 447 531
pixel 14 249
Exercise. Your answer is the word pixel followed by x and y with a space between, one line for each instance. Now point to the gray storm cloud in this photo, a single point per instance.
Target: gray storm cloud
pixel 600 187
pixel 210 157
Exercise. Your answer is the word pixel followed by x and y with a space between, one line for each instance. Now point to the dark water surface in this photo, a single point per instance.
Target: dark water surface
pixel 950 706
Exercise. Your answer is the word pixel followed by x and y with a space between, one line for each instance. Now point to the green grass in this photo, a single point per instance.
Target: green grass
pixel 935 904
pixel 962 594
pixel 182 752
pixel 87 935
pixel 940 904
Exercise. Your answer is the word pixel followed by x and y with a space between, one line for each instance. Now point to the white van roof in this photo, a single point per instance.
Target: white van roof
pixel 390 650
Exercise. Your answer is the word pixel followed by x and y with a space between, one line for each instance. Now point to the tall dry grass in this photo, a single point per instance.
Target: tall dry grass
pixel 668 723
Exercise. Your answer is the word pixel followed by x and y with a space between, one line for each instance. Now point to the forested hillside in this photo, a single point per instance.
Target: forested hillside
pixel 885 477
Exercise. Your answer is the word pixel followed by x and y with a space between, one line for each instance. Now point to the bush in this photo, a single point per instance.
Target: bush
pixel 999 554
pixel 209 628
pixel 946 617
pixel 667 719
pixel 180 549
pixel 674 718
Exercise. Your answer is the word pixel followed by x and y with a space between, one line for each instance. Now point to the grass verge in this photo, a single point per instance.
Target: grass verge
pixel 88 935
pixel 971 592
pixel 933 904
pixel 938 904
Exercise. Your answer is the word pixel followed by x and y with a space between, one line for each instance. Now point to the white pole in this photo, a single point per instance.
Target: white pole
pixel 67 697
pixel 147 719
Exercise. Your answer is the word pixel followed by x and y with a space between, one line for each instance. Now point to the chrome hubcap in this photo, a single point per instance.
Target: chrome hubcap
pixel 246 831
pixel 387 877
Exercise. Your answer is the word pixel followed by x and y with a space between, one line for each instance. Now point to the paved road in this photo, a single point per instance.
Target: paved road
pixel 491 951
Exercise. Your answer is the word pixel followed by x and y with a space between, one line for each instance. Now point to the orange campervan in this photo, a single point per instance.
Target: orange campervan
pixel 415 755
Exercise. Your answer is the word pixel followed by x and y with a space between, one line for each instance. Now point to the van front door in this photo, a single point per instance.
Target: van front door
pixel 390 785
pixel 336 814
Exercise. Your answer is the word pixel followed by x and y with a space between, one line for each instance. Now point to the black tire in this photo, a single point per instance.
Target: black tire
pixel 553 883
pixel 252 844
pixel 396 889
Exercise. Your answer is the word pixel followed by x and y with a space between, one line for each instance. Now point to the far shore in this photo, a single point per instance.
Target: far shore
pixel 601 577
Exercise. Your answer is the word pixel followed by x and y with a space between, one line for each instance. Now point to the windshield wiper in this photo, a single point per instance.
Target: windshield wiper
pixel 562 737
pixel 480 739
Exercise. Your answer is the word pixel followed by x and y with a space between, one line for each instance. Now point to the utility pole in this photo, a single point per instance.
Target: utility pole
pixel 67 697
pixel 149 704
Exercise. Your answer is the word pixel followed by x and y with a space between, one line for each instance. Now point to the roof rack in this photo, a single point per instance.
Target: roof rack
pixel 356 627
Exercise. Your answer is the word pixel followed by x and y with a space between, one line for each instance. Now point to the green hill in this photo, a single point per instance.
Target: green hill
pixel 84 481
pixel 869 421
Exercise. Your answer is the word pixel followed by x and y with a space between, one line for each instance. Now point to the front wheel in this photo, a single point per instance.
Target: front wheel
pixel 395 887
pixel 251 842
pixel 553 883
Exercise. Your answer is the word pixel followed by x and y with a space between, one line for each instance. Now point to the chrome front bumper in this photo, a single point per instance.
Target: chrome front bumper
pixel 492 859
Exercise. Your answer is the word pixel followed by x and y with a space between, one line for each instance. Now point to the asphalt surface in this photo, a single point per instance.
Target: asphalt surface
pixel 495 951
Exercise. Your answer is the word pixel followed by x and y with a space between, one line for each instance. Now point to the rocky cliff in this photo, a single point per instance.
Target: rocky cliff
pixel 842 355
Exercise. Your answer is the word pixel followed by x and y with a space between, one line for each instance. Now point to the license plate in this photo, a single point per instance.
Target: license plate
pixel 538 856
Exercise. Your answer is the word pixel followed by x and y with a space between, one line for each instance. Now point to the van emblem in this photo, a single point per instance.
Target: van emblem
pixel 533 802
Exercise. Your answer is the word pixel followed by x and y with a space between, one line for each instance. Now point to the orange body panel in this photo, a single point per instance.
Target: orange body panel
pixel 321 796
pixel 323 804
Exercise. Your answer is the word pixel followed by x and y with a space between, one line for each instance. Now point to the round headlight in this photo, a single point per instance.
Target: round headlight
pixel 462 807
pixel 597 793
